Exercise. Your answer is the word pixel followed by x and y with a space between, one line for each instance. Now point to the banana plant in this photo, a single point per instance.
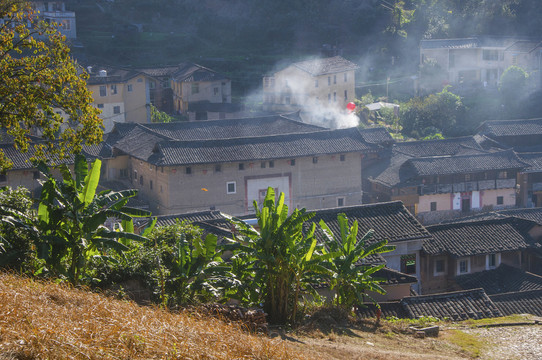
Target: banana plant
pixel 188 265
pixel 71 217
pixel 278 261
pixel 352 276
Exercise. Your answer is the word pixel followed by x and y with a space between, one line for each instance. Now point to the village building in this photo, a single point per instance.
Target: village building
pixel 192 90
pixel 443 179
pixel 322 85
pixel 55 12
pixel 229 164
pixel 121 95
pixel 478 61
pixel 480 244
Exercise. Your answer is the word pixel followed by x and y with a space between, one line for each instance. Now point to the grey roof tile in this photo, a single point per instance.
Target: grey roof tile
pixel 169 153
pixel 323 66
pixel 459 305
pixel 523 302
pixel 505 128
pixel 479 237
pixel 502 160
pixel 504 279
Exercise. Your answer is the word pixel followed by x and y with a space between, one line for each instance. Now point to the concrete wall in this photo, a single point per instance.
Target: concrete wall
pixel 312 185
pixel 136 101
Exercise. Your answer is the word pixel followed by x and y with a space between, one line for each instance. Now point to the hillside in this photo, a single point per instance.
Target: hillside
pixel 45 320
pixel 41 320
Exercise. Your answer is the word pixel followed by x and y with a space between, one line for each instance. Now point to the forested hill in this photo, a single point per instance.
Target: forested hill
pixel 258 33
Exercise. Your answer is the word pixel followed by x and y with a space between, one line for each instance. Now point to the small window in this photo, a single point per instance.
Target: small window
pixel 340 201
pixel 116 109
pixel 342 157
pixel 292 162
pixel 123 173
pixel 215 91
pixel 241 166
pixel 492 261
pixel 161 189
pixel 345 95
pixel 36 175
pixel 100 106
pixel 103 90
pixel 188 170
pixel 440 266
pixel 141 179
pixel 329 80
pixel 328 97
pixel 334 79
pixel 135 176
pixel 113 89
pixel 500 200
pixel 408 264
pixel 231 188
pixel 130 88
pixel 502 175
pixel 3 178
pixel 345 77
pixel 433 206
pixel 218 168
pixel 316 83
pixel 195 88
pixel 271 164
pixel 315 160
pixel 463 266
pixel 467 177
pixel 334 97
pixel 150 184
pixel 262 165
pixel 152 85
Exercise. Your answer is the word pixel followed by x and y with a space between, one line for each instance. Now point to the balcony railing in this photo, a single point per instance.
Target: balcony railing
pixel 467 186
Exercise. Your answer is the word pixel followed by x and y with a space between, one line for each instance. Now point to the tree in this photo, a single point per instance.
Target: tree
pixel 513 88
pixel 422 117
pixel 43 91
pixel 351 274
pixel 71 217
pixel 158 116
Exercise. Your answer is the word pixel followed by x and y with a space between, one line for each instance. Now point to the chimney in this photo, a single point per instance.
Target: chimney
pixel 103 73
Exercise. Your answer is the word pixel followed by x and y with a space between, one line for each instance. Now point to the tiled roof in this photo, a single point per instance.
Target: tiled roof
pixel 453 146
pixel 459 305
pixel 524 46
pixel 523 302
pixel 260 148
pixel 504 279
pixel 114 75
pixel 532 214
pixel 222 129
pixel 502 160
pixel 500 128
pixel 323 66
pixel 377 135
pixel 139 142
pixel 160 72
pixel 479 237
pixel 467 43
pixel 534 161
pixel 188 72
pixel 21 160
pixel 390 221
pixel 394 277
pixel 189 217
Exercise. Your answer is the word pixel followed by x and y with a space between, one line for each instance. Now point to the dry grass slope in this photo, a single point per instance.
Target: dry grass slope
pixel 48 321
